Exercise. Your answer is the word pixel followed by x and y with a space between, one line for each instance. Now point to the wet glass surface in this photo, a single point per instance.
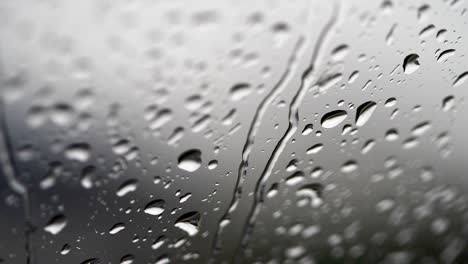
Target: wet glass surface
pixel 233 131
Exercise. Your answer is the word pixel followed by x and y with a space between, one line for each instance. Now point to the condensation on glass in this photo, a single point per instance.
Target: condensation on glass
pixel 233 131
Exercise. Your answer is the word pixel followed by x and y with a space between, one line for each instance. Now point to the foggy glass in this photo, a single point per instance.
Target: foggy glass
pixel 157 131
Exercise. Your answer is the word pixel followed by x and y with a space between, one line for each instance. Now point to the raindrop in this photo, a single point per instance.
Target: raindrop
pixel 349 166
pixel 65 249
pixel 127 187
pixel 240 91
pixel 62 115
pixel 410 63
pixel 364 112
pixel 91 261
pixel 190 160
pixel 334 118
pixel 160 119
pixel 273 191
pixel 315 149
pixel 185 197
pixel 390 102
pixel 440 36
pixel 425 32
pixel 421 128
pixel 391 135
pixel 354 75
pixel 56 224
pixel 155 207
pixel 159 242
pixel 78 152
pixel 368 146
pixel 212 164
pixel 295 178
pixel 189 223
pixel 460 79
pixel 448 103
pixel 445 54
pixel 87 175
pixel 116 228
pixel 127 259
pixel 340 52
pixel 307 129
pixel 313 191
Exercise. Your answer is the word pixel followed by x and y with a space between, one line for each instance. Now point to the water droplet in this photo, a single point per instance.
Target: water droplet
pixel 127 259
pixel 189 223
pixel 390 102
pixel 391 135
pixel 212 164
pixel 273 191
pixel 425 32
pixel 87 175
pixel 159 242
pixel 56 224
pixel 62 115
pixel 240 91
pixel 349 166
pixel 185 197
pixel 313 192
pixel 411 63
pixel 445 54
pixel 421 128
pixel 190 160
pixel 155 207
pixel 315 149
pixel 448 103
pixel 354 75
pixel 368 146
pixel 116 228
pixel 127 187
pixel 334 118
pixel 78 152
pixel 65 249
pixel 460 79
pixel 307 129
pixel 161 118
pixel 340 52
pixel 295 178
pixel 440 36
pixel 364 112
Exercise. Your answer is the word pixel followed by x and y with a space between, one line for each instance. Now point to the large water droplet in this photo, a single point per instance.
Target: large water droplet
pixel 460 79
pixel 56 224
pixel 334 118
pixel 155 207
pixel 410 63
pixel 116 228
pixel 364 112
pixel 190 160
pixel 78 152
pixel 240 91
pixel 127 187
pixel 189 223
